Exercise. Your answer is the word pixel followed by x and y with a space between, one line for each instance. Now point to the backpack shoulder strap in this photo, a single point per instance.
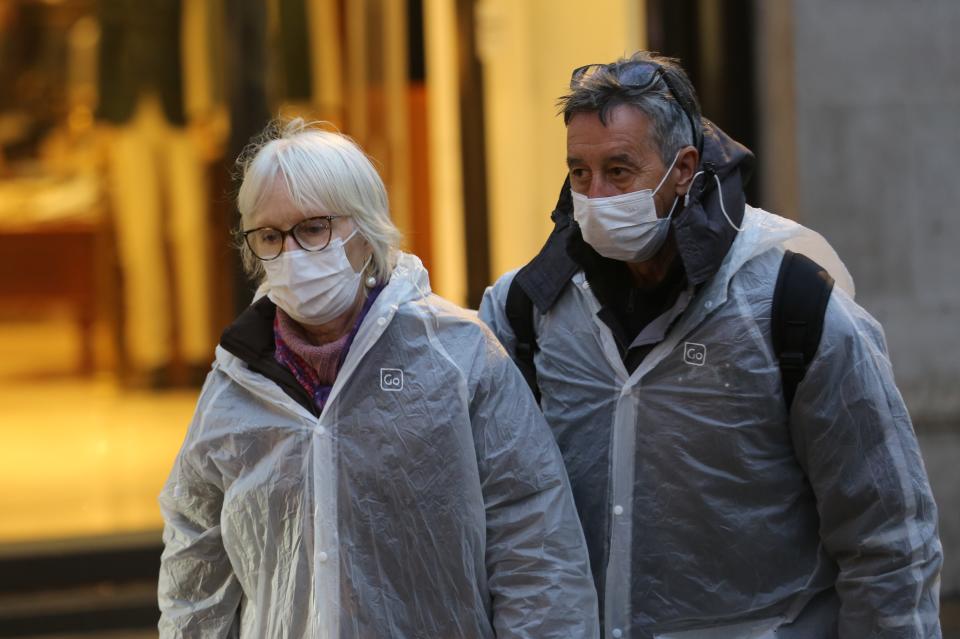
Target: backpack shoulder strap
pixel 799 302
pixel 519 311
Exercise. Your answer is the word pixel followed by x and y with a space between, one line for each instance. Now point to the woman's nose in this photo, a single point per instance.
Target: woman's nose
pixel 289 243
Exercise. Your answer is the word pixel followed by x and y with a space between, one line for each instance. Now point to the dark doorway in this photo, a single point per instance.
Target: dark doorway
pixel 715 44
pixel 474 161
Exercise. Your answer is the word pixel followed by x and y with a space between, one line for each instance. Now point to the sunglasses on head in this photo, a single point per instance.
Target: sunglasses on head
pixel 641 75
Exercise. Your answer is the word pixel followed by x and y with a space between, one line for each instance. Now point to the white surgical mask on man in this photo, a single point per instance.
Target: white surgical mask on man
pixel 624 227
pixel 313 287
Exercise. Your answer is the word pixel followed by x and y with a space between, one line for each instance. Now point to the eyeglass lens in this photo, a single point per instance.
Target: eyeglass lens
pixel 312 234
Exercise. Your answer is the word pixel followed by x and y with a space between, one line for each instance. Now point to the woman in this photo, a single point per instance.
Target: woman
pixel 365 460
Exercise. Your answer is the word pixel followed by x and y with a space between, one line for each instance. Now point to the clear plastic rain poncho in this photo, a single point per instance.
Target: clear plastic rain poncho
pixel 427 500
pixel 707 514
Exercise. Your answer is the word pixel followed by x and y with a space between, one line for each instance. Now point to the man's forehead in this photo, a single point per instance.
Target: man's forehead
pixel 626 132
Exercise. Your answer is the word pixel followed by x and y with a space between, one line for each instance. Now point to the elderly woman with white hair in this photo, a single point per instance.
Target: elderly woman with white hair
pixel 365 460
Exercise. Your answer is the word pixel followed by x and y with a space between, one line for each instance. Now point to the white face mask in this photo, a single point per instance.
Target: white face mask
pixel 313 287
pixel 624 227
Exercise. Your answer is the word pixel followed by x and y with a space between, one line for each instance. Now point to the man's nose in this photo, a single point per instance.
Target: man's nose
pixel 599 187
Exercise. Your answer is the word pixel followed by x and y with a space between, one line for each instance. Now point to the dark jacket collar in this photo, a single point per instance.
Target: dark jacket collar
pixel 546 275
pixel 251 339
pixel 702 232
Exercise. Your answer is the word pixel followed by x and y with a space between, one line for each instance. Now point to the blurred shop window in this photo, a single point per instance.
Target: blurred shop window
pixel 32 76
pixel 157 98
pixel 122 102
pixel 54 243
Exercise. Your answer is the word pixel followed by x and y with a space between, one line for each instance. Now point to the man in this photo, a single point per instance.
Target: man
pixel 713 506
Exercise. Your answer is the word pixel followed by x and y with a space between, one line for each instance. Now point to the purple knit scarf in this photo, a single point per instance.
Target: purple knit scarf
pixel 315 366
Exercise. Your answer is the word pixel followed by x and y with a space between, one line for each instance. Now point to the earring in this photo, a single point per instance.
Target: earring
pixel 371 281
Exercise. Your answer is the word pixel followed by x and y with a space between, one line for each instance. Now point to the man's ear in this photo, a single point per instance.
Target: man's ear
pixel 687 162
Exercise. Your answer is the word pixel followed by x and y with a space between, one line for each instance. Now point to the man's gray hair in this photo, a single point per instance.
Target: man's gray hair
pixel 602 90
pixel 325 173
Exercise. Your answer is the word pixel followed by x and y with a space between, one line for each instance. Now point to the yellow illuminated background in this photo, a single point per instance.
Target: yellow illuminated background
pixel 85 454
pixel 117 267
pixel 116 271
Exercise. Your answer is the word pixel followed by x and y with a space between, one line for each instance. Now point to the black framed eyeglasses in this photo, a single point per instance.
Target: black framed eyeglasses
pixel 311 234
pixel 642 75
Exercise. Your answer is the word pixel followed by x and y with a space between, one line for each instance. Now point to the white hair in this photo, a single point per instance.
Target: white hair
pixel 322 171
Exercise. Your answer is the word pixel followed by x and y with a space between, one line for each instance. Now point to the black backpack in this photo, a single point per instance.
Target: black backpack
pixel 799 302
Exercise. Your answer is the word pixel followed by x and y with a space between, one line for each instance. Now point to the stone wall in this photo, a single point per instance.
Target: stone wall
pixel 868 157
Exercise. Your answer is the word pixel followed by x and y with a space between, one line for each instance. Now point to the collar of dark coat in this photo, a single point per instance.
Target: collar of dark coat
pixel 251 339
pixel 546 275
pixel 701 231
